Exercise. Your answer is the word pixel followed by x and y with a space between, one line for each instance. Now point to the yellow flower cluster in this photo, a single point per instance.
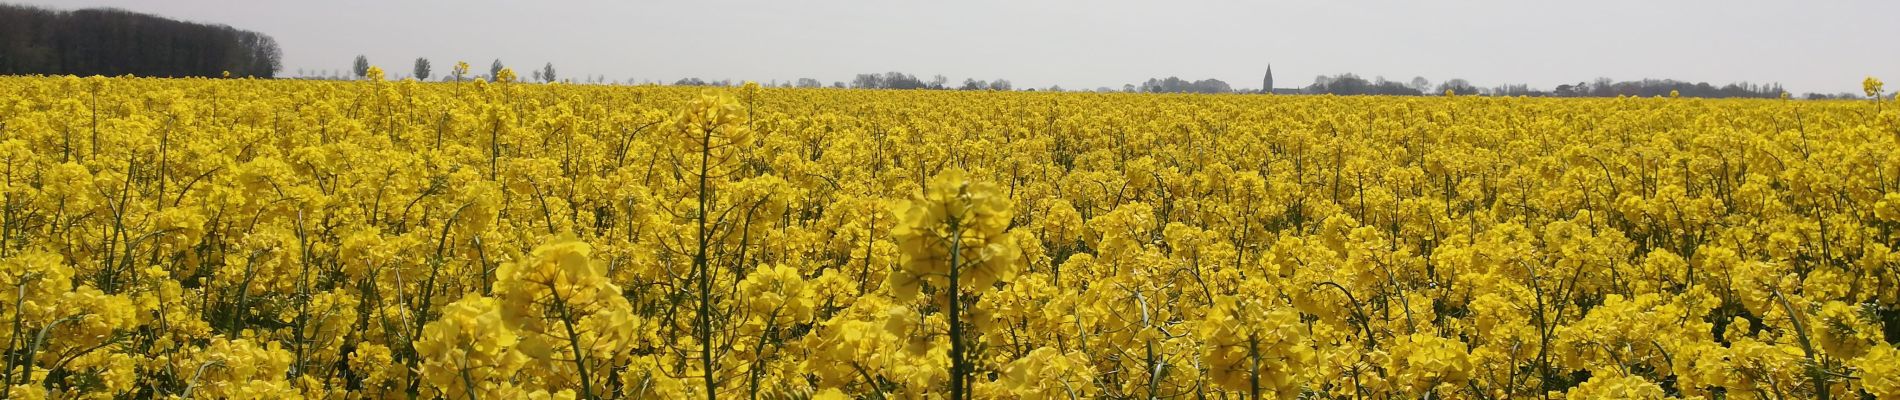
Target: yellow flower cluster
pixel 467 352
pixel 216 238
pixel 957 228
pixel 1421 362
pixel 1617 387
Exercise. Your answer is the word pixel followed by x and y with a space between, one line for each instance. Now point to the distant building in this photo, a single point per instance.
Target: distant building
pixel 1266 85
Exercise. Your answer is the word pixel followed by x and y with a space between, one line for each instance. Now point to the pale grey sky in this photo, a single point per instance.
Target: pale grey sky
pixel 1808 46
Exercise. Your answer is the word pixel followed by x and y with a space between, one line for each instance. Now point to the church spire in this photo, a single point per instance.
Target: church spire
pixel 1266 85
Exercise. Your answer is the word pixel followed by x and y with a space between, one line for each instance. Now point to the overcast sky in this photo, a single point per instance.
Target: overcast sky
pixel 1808 46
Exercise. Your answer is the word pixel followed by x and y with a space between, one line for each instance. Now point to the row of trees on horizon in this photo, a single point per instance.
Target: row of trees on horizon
pixel 1350 84
pixel 423 70
pixel 1341 84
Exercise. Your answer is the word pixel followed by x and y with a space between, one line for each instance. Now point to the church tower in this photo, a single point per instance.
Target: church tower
pixel 1266 86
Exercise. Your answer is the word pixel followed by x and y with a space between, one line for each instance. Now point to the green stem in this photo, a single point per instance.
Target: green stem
pixel 957 365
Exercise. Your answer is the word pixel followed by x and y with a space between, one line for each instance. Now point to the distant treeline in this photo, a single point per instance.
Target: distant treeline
pixel 1178 85
pixel 1345 84
pixel 1341 84
pixel 1604 87
pixel 899 80
pixel 116 42
pixel 1350 84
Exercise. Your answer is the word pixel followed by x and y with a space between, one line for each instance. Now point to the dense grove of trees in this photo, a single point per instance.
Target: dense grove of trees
pixel 117 42
pixel 1459 87
pixel 701 82
pixel 977 84
pixel 1178 85
pixel 897 80
pixel 1349 84
pixel 1604 87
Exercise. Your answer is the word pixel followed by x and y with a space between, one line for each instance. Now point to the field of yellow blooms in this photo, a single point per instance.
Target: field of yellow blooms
pixel 220 238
